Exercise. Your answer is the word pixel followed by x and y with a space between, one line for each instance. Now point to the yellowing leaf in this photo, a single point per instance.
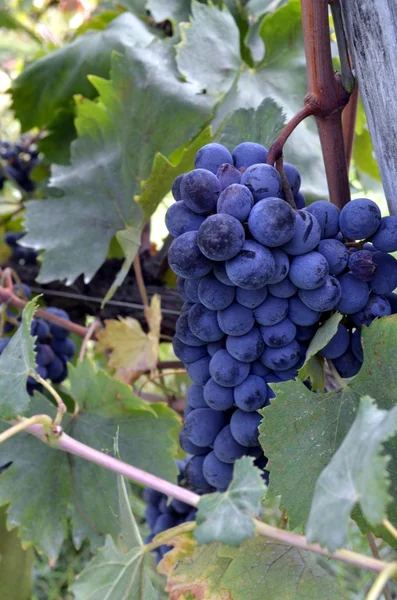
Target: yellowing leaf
pixel 131 348
pixel 183 545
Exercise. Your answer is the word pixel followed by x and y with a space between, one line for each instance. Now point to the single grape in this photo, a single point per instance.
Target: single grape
pixel 195 396
pixel 226 448
pixel 337 345
pixel 283 289
pixel 213 347
pixel 246 348
pixel 65 347
pixel 236 319
pixel 221 275
pixel 199 371
pixel 190 448
pixel 176 187
pixel 293 176
pixel 355 294
pixel 281 262
pixel 244 427
pixel 251 394
pixel 300 201
pixel 281 359
pixel 214 294
pixel 257 368
pixel 218 397
pixel 362 264
pixel 191 287
pixel 384 280
pixel 226 370
pixel 271 311
pixel 180 219
pixel 377 306
pixel 228 175
pixel 359 219
pixel 200 190
pixel 327 215
pixel 221 237
pixel 184 333
pixel 211 157
pixel 263 181
pixel 57 370
pixel 237 201
pixel 272 222
pixel 336 255
pixel 385 238
pixel 40 329
pixel 203 425
pixel 194 475
pixel 252 268
pixel 249 153
pixel 307 234
pixel 251 298
pixel 347 365
pixel 203 323
pixel 323 298
pixel 217 473
pixel 300 314
pixel 44 355
pixel 279 335
pixel 308 271
pixel 185 258
pixel 188 354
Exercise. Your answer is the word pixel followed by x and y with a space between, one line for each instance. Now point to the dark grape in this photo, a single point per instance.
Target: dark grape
pixel 251 298
pixel 307 234
pixel 221 275
pixel 195 396
pixel 199 371
pixel 203 323
pixel 200 190
pixel 279 335
pixel 244 427
pixel 336 255
pixel 249 153
pixel 211 157
pixel 44 355
pixel 235 319
pixel 384 280
pixel 214 294
pixel 221 237
pixel 228 175
pixel 252 268
pixel 190 448
pixel 217 473
pixel 237 201
pixel 283 289
pixel 300 314
pixel 337 345
pixel 355 294
pixel 323 298
pixel 281 262
pixel 184 333
pixel 293 176
pixel 226 448
pixel 281 359
pixel 191 289
pixel 180 219
pixel 176 188
pixel 251 395
pixel 271 311
pixel 327 215
pixel 272 222
pixel 218 397
pixel 347 365
pixel 188 354
pixel 300 201
pixel 359 219
pixel 385 238
pixel 226 370
pixel 185 257
pixel 263 181
pixel 203 425
pixel 362 264
pixel 308 271
pixel 246 348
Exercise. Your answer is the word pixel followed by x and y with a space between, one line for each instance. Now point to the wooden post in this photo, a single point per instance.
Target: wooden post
pixel 371 30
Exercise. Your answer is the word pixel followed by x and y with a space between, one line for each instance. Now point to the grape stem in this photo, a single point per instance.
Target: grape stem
pixel 90 332
pixel 61 441
pixel 327 94
pixel 60 404
pixel 288 195
pixel 276 149
pixel 375 554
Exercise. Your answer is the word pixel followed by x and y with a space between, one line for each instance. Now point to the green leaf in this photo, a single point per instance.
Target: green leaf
pixel 211 38
pixel 258 569
pixel 15 564
pixel 276 27
pixel 228 517
pixel 302 430
pixel 323 335
pixel 16 362
pixel 363 154
pixel 313 369
pixel 85 495
pixel 357 473
pixel 51 82
pixel 164 172
pixel 116 575
pixel 261 125
pixel 60 133
pixel 173 10
pixel 143 109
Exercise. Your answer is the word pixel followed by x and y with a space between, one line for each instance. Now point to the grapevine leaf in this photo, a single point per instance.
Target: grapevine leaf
pixel 130 536
pixel 357 473
pixel 259 568
pixel 165 170
pixel 261 125
pixel 276 27
pixel 15 564
pixel 219 48
pixel 315 424
pixel 60 132
pixel 229 517
pixel 363 155
pixel 115 574
pixel 84 493
pixel 313 369
pixel 323 335
pixel 16 362
pixel 51 82
pixel 144 100
pixel 131 348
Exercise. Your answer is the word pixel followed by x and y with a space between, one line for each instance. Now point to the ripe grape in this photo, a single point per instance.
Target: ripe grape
pixel 281 359
pixel 200 190
pixel 326 297
pixel 359 219
pixel 272 222
pixel 385 238
pixel 246 348
pixel 336 255
pixel 188 354
pixel 211 157
pixel 218 397
pixel 251 395
pixel 227 175
pixel 195 396
pixel 244 427
pixel 355 294
pixel 252 268
pixel 199 371
pixel 263 181
pixel 300 314
pixel 249 153
pixel 203 323
pixel 180 219
pixel 221 237
pixel 293 176
pixel 226 370
pixel 185 258
pixel 226 448
pixel 327 215
pixel 251 298
pixel 235 319
pixel 237 201
pixel 203 425
pixel 307 234
pixel 283 289
pixel 271 311
pixel 213 294
pixel 308 271
pixel 362 264
pixel 217 473
pixel 337 345
pixel 279 335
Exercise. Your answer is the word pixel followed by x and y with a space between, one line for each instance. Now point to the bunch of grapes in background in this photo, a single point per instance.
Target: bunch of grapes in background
pixel 20 254
pixel 20 158
pixel 163 513
pixel 258 278
pixel 53 346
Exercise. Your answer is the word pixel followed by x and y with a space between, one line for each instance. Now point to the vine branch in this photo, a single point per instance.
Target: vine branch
pixel 276 149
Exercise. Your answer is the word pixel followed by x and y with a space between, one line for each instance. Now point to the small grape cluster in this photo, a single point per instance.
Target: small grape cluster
pixel 21 158
pixel 258 278
pixel 20 254
pixel 163 513
pixel 53 347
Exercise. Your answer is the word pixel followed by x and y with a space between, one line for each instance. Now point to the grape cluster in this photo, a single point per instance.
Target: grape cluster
pixel 163 513
pixel 53 347
pixel 258 278
pixel 20 254
pixel 21 158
